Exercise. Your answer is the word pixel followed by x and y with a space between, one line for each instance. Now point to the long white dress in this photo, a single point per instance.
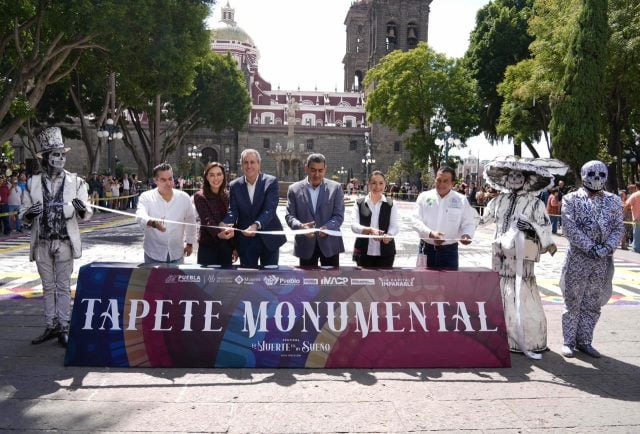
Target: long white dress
pixel 505 210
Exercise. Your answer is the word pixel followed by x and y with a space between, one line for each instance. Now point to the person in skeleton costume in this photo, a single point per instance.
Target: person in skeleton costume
pixel 53 202
pixel 523 231
pixel 592 222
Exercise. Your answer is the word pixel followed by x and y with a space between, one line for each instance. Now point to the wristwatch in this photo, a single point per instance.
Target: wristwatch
pixel 258 225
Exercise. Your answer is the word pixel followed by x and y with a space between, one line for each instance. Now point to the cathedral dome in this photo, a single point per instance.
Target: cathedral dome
pixel 228 30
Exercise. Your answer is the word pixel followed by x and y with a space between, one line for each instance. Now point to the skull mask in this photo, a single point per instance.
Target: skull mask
pixel 56 161
pixel 515 180
pixel 594 175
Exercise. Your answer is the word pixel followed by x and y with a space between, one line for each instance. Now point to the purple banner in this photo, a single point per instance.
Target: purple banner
pixel 126 315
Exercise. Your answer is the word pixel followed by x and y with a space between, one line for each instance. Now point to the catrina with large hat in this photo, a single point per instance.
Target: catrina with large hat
pixel 536 177
pixel 523 232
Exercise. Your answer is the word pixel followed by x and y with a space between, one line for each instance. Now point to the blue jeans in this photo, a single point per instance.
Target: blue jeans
pixel 555 219
pixel 636 236
pixel 444 257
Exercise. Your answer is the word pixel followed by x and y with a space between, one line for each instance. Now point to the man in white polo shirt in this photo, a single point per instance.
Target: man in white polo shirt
pixel 158 209
pixel 442 218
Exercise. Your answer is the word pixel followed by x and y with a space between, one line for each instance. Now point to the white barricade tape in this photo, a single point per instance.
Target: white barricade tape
pixel 284 232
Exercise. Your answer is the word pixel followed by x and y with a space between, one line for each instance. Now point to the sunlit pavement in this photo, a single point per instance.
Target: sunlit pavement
pixel 37 393
pixel 110 237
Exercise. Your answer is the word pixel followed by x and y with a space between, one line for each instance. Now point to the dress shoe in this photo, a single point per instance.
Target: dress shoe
pixel 49 333
pixel 567 351
pixel 63 336
pixel 589 351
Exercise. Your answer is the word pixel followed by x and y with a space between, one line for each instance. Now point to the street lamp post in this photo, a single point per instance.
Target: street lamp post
pixel 194 153
pixel 368 159
pixel 342 173
pixel 447 141
pixel 110 131
pixel 630 160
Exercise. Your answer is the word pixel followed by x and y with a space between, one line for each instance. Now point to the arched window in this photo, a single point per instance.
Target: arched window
pixel 349 121
pixel 392 36
pixel 309 119
pixel 412 35
pixel 266 118
pixel 357 81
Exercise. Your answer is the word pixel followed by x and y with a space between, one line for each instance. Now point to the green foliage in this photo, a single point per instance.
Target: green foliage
pixel 575 123
pixel 7 150
pixel 499 39
pixel 420 91
pixel 40 43
pixel 399 170
pixel 220 98
pixel 622 94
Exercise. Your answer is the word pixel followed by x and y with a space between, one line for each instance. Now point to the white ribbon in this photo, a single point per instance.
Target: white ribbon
pixel 329 232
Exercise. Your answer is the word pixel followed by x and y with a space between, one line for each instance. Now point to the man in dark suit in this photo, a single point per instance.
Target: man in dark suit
pixel 252 208
pixel 316 202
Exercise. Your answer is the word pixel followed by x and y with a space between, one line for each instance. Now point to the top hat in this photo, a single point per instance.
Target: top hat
pixel 51 140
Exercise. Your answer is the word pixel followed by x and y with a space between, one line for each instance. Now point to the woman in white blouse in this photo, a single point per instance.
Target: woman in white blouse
pixel 375 214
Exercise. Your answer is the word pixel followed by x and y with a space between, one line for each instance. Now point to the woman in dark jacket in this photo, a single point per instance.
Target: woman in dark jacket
pixel 212 203
pixel 375 214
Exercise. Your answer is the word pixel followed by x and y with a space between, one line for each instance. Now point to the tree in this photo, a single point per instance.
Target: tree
pixel 137 69
pixel 400 170
pixel 499 39
pixel 154 69
pixel 421 91
pixel 622 89
pixel 38 49
pixel 220 99
pixel 575 121
pixel 529 84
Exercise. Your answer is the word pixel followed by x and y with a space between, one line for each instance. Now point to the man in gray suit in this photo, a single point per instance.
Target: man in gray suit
pixel 316 202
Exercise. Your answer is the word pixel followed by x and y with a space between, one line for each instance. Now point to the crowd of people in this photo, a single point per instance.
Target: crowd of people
pixel 238 221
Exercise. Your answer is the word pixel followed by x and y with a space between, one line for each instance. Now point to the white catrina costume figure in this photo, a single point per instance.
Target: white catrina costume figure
pixel 592 221
pixel 522 222
pixel 54 201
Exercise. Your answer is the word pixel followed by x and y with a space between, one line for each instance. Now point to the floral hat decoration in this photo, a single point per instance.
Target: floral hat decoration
pixel 536 177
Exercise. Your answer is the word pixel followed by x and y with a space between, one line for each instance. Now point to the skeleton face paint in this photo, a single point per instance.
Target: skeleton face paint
pixel 515 180
pixel 57 160
pixel 594 175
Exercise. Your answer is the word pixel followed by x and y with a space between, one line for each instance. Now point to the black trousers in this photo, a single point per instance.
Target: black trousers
pixel 376 261
pixel 331 261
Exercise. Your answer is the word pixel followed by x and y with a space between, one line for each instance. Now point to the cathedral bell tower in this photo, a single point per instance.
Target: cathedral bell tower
pixel 377 27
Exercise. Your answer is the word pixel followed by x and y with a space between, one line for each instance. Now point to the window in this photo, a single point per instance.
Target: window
pixel 412 36
pixel 309 119
pixel 266 118
pixel 396 147
pixel 349 121
pixel 266 143
pixel 309 144
pixel 353 145
pixel 392 35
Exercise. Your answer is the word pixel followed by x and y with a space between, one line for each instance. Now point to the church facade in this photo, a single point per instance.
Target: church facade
pixel 285 126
